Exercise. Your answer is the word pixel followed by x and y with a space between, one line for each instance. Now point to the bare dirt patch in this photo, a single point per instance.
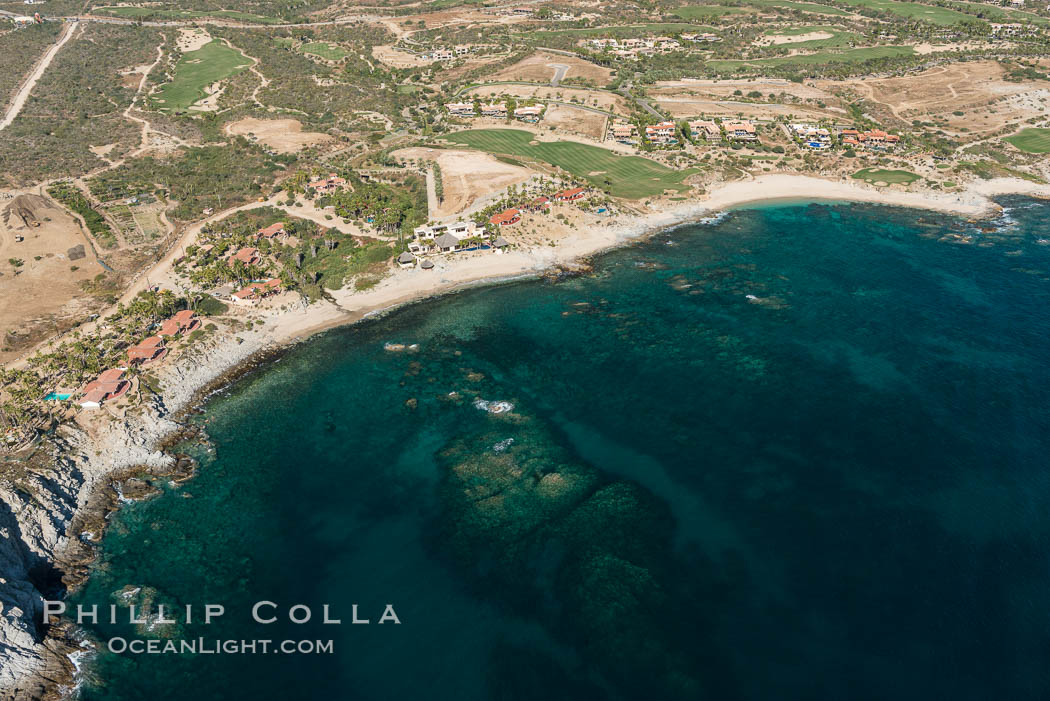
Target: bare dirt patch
pixel 396 58
pixel 282 135
pixel 977 89
pixel 41 295
pixel 467 176
pixel 778 39
pixel 587 98
pixel 191 39
pixel 575 121
pixel 537 69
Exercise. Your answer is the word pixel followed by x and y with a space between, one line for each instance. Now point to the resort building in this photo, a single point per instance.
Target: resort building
pixel 506 217
pixel 740 131
pixel 460 109
pixel 185 321
pixel 330 184
pixel 248 256
pixel 571 195
pixel 269 232
pixel 529 113
pixel 662 133
pixel 109 385
pixel 705 128
pixel 148 351
pixel 442 55
pixel 406 260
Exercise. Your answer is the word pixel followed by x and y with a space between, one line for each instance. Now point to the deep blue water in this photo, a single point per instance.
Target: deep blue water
pixel 836 488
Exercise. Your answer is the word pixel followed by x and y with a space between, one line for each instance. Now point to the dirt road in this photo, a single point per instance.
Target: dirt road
pixel 27 87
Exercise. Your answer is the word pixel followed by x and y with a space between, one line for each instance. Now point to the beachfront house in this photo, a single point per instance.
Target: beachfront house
pixel 447 243
pixel 185 321
pixel 406 260
pixel 249 296
pixel 109 385
pixel 706 129
pixel 147 351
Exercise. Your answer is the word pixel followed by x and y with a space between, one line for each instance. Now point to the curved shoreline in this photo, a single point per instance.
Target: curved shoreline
pixel 95 462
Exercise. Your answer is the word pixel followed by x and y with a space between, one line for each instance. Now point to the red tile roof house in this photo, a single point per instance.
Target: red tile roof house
pixel 148 351
pixel 506 217
pixel 109 385
pixel 571 195
pixel 185 321
pixel 540 204
pixel 329 184
pixel 248 256
pixel 271 231
pixel 251 294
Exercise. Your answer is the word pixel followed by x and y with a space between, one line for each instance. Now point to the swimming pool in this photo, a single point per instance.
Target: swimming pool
pixel 55 397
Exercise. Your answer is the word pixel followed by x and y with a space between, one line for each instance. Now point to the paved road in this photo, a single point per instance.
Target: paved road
pixel 41 67
pixel 559 72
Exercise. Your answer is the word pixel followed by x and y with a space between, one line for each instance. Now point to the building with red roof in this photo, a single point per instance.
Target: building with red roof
pixel 109 385
pixel 248 256
pixel 272 230
pixel 329 184
pixel 506 217
pixel 148 351
pixel 540 204
pixel 251 294
pixel 571 195
pixel 185 321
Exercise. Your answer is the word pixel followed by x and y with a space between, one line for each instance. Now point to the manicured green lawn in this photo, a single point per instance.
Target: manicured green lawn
pixel 803 6
pixel 195 71
pixel 632 177
pixel 838 38
pixel 136 12
pixel 849 56
pixel 623 31
pixel 1031 140
pixel 705 11
pixel 329 52
pixel 890 177
pixel 915 11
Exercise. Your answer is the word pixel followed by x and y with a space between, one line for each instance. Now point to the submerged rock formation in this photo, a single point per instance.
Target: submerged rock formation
pixel 540 531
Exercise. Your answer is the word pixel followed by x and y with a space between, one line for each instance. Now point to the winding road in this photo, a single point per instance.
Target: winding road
pixel 30 83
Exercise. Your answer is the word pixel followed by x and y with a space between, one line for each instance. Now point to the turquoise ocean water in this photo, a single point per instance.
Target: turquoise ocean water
pixel 799 452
